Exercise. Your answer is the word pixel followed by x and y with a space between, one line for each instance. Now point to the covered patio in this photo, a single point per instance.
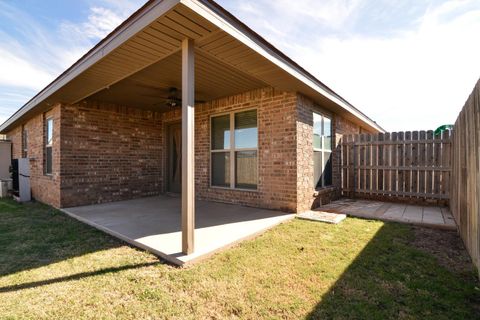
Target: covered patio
pixel 136 120
pixel 154 224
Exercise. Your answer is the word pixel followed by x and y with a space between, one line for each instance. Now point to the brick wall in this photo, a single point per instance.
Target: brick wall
pixel 109 153
pixel 105 152
pixel 276 150
pixel 308 197
pixel 112 153
pixel 45 188
pixel 15 136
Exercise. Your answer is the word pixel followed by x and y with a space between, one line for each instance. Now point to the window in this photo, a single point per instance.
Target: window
pixel 234 144
pixel 322 150
pixel 48 146
pixel 24 143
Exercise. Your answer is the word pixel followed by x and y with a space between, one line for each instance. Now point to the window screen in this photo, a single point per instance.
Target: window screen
pixel 48 146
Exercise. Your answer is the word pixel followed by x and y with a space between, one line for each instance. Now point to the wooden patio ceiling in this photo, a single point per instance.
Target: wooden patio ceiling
pixel 149 87
pixel 140 71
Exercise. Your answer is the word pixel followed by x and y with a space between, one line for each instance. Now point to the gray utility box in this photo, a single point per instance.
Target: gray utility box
pixel 24 180
pixel 5 162
pixel 5 159
pixel 5 186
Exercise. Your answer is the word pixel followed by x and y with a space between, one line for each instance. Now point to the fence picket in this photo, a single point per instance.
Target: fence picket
pixel 368 170
pixel 387 159
pixel 374 163
pixel 408 163
pixel 351 169
pixel 380 162
pixel 393 152
pixel 437 151
pixel 429 163
pixel 446 162
pixel 422 162
pixel 415 146
pixel 401 161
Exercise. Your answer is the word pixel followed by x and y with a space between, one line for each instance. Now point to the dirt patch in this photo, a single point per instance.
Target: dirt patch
pixel 446 246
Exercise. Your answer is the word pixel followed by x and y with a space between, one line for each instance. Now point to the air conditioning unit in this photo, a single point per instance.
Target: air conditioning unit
pixel 21 179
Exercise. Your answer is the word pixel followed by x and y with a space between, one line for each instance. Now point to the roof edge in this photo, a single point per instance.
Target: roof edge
pixel 137 21
pixel 269 51
pixel 215 14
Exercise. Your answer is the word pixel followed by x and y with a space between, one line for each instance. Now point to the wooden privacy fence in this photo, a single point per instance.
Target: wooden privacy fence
pixel 407 166
pixel 465 195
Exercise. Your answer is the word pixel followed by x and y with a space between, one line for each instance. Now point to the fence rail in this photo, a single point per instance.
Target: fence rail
pixel 408 166
pixel 465 195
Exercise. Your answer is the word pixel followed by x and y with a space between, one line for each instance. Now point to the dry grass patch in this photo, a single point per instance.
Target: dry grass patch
pixel 54 267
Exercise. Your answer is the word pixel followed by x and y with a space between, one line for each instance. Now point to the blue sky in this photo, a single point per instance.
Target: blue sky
pixel 408 64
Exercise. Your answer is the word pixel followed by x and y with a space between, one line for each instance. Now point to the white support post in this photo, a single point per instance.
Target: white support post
pixel 188 146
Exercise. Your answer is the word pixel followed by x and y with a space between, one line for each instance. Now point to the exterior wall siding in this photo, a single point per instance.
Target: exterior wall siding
pixel 104 152
pixel 45 188
pixel 276 149
pixel 113 153
pixel 308 197
pixel 109 153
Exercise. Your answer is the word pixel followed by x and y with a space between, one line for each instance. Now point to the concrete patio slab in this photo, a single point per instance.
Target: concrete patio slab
pixel 413 213
pixel 154 224
pixel 438 217
pixel 395 212
pixel 322 216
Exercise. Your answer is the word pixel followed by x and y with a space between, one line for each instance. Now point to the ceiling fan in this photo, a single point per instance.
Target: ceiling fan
pixel 171 97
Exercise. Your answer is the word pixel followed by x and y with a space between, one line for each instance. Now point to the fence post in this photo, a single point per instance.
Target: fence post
pixel 354 166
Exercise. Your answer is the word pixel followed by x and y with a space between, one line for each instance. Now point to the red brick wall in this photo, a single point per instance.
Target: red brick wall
pixel 276 149
pixel 45 188
pixel 15 136
pixel 307 196
pixel 109 153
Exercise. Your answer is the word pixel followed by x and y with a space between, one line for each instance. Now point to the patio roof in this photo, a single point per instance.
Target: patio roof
pixel 140 60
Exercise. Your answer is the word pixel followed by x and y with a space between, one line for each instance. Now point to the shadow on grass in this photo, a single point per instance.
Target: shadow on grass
pixel 392 279
pixel 76 276
pixel 34 235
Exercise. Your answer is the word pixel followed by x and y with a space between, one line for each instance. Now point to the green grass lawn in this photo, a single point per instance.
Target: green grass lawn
pixel 54 267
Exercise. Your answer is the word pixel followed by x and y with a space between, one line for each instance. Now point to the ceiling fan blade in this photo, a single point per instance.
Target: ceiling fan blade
pixel 154 96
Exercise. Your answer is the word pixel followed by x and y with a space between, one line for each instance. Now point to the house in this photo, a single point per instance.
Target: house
pixel 184 98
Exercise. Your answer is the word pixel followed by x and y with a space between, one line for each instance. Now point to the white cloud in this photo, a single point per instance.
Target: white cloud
pixel 418 80
pixel 100 22
pixel 331 13
pixel 416 76
pixel 19 72
pixel 32 56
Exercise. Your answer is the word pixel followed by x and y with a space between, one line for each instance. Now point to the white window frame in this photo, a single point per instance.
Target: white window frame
pixel 232 150
pixel 322 146
pixel 48 145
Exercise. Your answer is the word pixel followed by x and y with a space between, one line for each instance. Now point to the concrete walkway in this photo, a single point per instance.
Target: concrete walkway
pixel 438 217
pixel 154 224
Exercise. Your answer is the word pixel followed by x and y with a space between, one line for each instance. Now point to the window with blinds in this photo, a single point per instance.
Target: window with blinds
pixel 24 142
pixel 234 150
pixel 322 150
pixel 48 146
